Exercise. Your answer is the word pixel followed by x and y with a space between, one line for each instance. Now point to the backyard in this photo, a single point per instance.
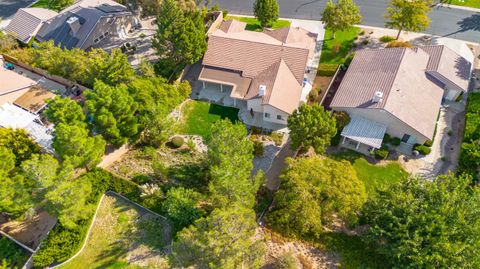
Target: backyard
pixel 12 254
pixel 198 117
pixel 124 236
pixel 254 25
pixel 374 176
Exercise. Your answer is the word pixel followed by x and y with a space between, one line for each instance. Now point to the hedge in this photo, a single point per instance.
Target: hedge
pixel 422 149
pixel 469 161
pixel 382 153
pixel 327 70
pixel 62 243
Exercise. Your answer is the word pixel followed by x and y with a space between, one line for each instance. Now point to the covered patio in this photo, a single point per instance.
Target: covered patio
pixel 363 135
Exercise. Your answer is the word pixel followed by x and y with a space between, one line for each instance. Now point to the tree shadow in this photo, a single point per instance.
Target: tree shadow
pixel 463 68
pixel 471 23
pixel 189 175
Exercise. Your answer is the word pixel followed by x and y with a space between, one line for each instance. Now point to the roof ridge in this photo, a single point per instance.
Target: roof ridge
pixel 258 42
pixel 395 76
pixel 276 76
pixel 31 15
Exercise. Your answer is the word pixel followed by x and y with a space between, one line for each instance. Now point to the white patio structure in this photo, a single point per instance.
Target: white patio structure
pixel 363 135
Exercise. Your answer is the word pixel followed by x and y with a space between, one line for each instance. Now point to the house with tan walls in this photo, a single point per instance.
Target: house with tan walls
pixel 261 73
pixel 398 91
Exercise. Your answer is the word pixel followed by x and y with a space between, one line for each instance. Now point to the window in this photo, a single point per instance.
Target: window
pixel 267 115
pixel 96 40
pixel 405 138
pixel 279 117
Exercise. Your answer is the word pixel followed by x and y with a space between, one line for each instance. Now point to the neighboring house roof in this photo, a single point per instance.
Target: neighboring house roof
pixel 87 13
pixel 35 99
pixel 261 59
pixel 27 21
pixel 452 68
pixel 399 74
pixel 12 82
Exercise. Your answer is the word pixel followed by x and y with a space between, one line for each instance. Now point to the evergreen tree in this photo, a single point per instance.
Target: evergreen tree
pixel 266 11
pixel 64 110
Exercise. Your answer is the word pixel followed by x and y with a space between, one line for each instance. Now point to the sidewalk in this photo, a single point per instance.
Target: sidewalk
pixel 273 174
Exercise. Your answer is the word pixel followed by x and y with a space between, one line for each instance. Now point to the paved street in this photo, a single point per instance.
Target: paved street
pixel 9 7
pixel 450 22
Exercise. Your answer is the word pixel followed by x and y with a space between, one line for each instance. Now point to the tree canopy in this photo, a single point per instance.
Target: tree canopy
pixel 340 16
pixel 266 11
pixel 313 190
pixel 111 112
pixel 64 110
pixel 311 126
pixel 225 239
pixel 409 15
pixel 181 206
pixel 422 224
pixel 230 155
pixel 18 141
pixel 180 38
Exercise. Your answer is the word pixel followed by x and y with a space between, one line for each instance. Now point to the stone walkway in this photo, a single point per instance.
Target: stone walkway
pixel 273 174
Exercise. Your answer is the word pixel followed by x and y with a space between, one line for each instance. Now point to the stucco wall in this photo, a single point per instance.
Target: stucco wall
pixel 255 104
pixel 273 115
pixel 395 127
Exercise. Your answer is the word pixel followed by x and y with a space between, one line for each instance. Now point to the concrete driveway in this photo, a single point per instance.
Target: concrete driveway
pixel 9 7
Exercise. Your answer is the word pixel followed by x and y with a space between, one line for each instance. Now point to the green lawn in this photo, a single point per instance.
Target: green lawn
pixel 14 255
pixel 254 25
pixel 198 117
pixel 44 4
pixel 374 176
pixel 466 3
pixel 124 236
pixel 343 43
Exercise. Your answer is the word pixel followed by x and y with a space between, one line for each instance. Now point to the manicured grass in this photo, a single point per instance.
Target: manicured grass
pixel 123 230
pixel 14 255
pixel 343 43
pixel 374 176
pixel 199 116
pixel 466 3
pixel 44 4
pixel 254 25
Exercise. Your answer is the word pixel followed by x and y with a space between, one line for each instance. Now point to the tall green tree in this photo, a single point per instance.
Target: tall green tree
pixel 313 191
pixel 422 224
pixel 408 15
pixel 112 112
pixel 181 206
pixel 340 16
pixel 74 146
pixel 311 126
pixel 266 11
pixel 19 142
pixel 64 110
pixel 230 155
pixel 225 239
pixel 180 38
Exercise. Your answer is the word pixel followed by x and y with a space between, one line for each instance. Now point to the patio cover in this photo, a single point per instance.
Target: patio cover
pixel 365 131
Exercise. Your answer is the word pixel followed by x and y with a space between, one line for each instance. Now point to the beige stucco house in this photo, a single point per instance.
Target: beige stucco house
pixel 261 73
pixel 398 91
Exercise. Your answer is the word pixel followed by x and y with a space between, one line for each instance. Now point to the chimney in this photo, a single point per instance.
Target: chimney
pixel 74 24
pixel 261 90
pixel 377 97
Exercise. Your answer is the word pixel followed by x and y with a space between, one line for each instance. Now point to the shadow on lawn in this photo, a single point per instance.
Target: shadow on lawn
pixel 144 230
pixel 230 113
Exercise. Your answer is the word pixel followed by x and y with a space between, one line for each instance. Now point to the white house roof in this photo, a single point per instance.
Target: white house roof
pixel 365 131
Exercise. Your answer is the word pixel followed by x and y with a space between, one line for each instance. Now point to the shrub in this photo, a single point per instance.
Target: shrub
pixel 313 95
pixel 399 44
pixel 191 144
pixel 386 138
pixel 395 141
pixel 258 149
pixel 450 132
pixel 327 70
pixel 349 59
pixel 142 35
pixel 177 141
pixel 141 179
pixel 365 42
pixel 361 33
pixel 428 143
pixel 382 153
pixel 386 38
pixel 286 261
pixel 422 149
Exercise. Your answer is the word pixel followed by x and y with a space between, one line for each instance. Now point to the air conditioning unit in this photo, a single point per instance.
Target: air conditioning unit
pixel 377 97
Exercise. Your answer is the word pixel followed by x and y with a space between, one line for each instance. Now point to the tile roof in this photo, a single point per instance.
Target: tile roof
pixel 27 21
pixel 11 81
pixel 399 73
pixel 268 61
pixel 452 67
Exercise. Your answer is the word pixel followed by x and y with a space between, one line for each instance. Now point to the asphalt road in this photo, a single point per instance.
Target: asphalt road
pixel 449 22
pixel 9 7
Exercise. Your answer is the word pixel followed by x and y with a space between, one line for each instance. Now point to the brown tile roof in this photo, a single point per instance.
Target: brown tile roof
pixel 27 21
pixel 219 75
pixel 453 68
pixel 399 73
pixel 35 99
pixel 232 26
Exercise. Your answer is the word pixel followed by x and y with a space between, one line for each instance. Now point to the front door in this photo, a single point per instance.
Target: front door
pixel 405 138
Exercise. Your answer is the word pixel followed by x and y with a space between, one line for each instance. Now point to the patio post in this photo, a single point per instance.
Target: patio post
pixel 234 102
pixel 203 82
pixel 358 145
pixel 221 87
pixel 343 139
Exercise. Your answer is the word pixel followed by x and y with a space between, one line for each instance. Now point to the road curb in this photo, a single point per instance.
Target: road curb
pixel 458 7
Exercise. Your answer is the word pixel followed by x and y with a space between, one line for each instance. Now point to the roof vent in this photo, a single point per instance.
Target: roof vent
pixel 74 24
pixel 377 97
pixel 261 90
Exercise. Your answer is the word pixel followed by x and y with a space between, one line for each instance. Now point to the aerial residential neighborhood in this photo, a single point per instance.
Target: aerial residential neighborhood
pixel 239 134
